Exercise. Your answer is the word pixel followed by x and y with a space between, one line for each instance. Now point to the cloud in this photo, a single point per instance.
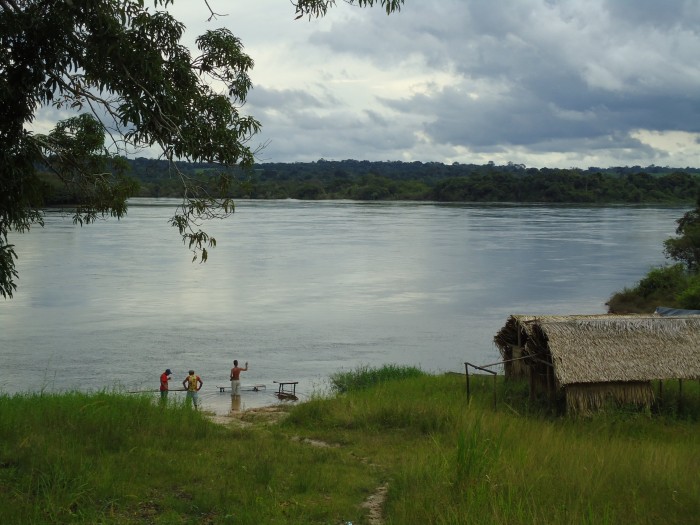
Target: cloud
pixel 537 82
pixel 527 75
pixel 310 127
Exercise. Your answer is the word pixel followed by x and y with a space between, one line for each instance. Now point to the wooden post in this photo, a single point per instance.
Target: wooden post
pixel 466 369
pixel 484 369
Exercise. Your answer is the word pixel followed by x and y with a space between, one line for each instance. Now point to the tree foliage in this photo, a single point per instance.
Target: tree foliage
pixel 686 247
pixel 433 181
pixel 319 8
pixel 120 65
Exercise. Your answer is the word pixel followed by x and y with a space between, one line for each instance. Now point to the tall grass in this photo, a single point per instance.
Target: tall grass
pixel 110 458
pixel 453 461
pixel 365 376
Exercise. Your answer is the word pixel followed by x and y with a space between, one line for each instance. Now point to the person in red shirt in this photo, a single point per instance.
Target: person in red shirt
pixel 164 378
pixel 235 377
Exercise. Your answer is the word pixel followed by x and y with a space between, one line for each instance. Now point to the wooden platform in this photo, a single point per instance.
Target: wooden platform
pixel 287 389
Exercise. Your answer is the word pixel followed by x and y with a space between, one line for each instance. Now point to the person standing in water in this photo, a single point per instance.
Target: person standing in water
pixel 193 383
pixel 164 378
pixel 235 377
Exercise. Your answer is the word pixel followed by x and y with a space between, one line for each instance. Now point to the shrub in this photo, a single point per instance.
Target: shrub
pixel 690 297
pixel 660 287
pixel 363 377
pixel 663 281
pixel 629 301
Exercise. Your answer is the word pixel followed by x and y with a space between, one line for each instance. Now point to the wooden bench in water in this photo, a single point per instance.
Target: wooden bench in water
pixel 253 388
pixel 284 391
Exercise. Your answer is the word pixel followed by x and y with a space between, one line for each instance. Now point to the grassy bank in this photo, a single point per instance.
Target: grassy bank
pixel 109 458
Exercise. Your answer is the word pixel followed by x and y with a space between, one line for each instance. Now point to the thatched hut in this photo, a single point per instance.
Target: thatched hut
pixel 591 359
pixel 511 340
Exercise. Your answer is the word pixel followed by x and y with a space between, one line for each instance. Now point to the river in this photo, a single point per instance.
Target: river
pixel 302 289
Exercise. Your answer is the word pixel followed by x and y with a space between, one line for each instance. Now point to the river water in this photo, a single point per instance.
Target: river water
pixel 302 289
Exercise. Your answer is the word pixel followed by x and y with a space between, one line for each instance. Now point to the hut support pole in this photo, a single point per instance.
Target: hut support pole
pixel 550 387
pixel 680 394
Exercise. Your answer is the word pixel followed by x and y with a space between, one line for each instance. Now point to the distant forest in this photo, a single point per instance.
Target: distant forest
pixel 427 181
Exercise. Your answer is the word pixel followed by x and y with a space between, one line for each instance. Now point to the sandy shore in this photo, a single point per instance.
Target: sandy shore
pixel 267 415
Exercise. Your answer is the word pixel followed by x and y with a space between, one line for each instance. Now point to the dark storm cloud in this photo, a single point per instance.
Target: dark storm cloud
pixel 310 128
pixel 668 14
pixel 538 82
pixel 523 116
pixel 528 73
pixel 289 98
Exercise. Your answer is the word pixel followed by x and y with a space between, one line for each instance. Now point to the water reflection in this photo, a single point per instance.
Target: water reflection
pixel 235 403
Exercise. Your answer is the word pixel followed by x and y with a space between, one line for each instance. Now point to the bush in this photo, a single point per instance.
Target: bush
pixel 690 297
pixel 661 287
pixel 663 282
pixel 628 301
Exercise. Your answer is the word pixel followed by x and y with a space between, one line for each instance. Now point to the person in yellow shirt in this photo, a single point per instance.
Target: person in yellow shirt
pixel 193 384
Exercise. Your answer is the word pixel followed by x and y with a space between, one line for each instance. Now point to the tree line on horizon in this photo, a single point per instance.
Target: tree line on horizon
pixel 431 181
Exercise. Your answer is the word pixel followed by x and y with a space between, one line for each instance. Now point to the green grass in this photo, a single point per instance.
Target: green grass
pixel 365 377
pixel 111 458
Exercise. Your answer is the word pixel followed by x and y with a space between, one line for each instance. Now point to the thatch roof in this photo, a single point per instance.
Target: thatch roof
pixel 519 328
pixel 618 348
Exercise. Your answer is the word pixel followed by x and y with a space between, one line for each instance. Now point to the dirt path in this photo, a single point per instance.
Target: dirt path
pixel 375 504
pixel 274 414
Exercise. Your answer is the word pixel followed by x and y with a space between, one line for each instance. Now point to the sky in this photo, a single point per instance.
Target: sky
pixel 544 83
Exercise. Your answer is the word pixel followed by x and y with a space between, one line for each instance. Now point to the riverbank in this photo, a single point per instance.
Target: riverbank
pixel 415 445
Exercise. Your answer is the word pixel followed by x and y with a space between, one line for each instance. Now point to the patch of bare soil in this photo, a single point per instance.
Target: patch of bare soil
pixel 227 420
pixel 375 503
pixel 266 415
pixel 315 442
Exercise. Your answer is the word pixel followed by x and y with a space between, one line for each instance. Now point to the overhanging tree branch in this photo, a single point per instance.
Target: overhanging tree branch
pixel 125 63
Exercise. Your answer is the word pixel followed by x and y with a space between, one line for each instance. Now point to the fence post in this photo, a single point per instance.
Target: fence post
pixel 466 369
pixel 483 368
